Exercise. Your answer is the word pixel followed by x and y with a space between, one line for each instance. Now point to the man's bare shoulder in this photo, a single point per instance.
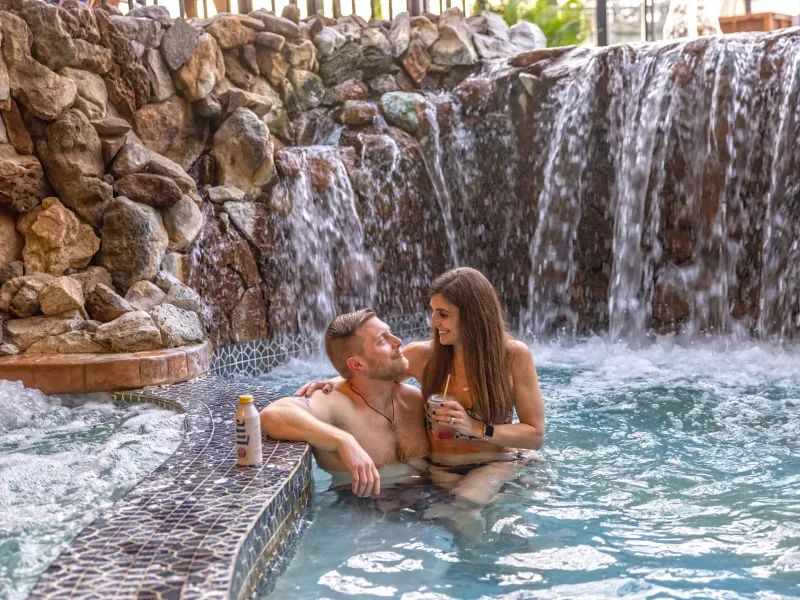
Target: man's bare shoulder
pixel 407 393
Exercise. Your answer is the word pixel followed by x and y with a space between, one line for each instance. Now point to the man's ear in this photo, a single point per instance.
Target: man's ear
pixel 355 364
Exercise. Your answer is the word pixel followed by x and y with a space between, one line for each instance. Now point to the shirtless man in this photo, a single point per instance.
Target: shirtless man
pixel 368 421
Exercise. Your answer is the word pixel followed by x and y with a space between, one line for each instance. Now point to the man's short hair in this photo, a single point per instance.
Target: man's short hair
pixel 341 340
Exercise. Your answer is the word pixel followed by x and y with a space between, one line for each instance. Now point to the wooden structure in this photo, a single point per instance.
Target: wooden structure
pixel 755 22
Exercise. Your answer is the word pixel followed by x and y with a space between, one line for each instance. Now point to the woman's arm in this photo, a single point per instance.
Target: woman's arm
pixel 529 432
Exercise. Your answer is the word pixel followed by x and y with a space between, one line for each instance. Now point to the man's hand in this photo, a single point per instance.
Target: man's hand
pixel 366 480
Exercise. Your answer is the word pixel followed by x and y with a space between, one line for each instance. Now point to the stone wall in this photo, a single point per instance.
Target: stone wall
pixel 143 158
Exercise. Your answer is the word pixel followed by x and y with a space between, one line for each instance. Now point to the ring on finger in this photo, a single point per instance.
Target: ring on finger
pixel 452 420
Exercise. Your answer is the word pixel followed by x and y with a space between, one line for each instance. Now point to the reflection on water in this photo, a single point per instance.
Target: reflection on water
pixel 669 471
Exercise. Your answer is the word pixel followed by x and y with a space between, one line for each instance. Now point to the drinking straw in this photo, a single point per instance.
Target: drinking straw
pixel 446 384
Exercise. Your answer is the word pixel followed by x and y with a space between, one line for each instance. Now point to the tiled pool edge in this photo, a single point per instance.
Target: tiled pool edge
pixel 171 536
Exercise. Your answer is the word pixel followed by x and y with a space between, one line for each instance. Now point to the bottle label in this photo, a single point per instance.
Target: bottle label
pixel 242 438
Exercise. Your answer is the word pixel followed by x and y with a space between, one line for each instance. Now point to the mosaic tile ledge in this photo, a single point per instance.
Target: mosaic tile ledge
pixel 198 526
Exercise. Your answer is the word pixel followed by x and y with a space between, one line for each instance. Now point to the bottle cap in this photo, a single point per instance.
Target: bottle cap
pixel 245 399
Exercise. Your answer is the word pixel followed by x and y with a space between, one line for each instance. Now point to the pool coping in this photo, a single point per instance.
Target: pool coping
pixel 172 536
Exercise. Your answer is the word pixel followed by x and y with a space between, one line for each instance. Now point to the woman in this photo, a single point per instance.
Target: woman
pixel 490 374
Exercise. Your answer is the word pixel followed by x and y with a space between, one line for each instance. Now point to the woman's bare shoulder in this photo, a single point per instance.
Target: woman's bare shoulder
pixel 417 354
pixel 418 348
pixel 518 350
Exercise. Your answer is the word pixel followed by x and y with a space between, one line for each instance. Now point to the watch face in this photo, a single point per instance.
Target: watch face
pixel 489 430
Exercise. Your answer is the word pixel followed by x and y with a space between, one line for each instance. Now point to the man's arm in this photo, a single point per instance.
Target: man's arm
pixel 293 419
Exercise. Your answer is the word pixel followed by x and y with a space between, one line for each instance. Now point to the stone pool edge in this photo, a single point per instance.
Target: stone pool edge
pixel 165 540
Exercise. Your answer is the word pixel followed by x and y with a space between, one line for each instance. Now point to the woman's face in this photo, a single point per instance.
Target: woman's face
pixel 445 319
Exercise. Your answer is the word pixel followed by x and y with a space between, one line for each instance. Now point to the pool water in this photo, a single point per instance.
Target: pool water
pixel 63 460
pixel 669 472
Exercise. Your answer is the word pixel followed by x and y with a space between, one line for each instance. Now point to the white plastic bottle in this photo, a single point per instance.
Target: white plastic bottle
pixel 248 433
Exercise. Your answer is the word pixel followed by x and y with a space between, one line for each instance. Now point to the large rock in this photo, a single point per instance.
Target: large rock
pixel 272 65
pixel 249 319
pixel 376 49
pixel 307 88
pixel 134 242
pixel 225 193
pixel 161 86
pixel 183 222
pixel 92 93
pixel 424 31
pixel 358 113
pixel 184 297
pixel 277 25
pixel 20 296
pixel 155 12
pixel 352 89
pixel 61 295
pixel 11 270
pixel 52 44
pixel 71 153
pixel 416 61
pixel 300 54
pixel 271 41
pixel 132 158
pixel 105 305
pixel 154 190
pixel 144 31
pixel 260 105
pixel 243 150
pixel 400 34
pixel 405 110
pixel 178 327
pixel 179 43
pixel 235 71
pixel 328 41
pixel 161 165
pixel 527 36
pixel 23 333
pixel 90 277
pixel 231 32
pixel 170 128
pixel 72 342
pixel 202 71
pixel 341 65
pixel 491 47
pixel 16 132
pixel 454 46
pixel 57 240
pixel 11 242
pixel 45 94
pixel 22 181
pixel 132 332
pixel 144 295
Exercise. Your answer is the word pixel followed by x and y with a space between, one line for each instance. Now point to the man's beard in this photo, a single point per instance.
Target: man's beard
pixel 388 370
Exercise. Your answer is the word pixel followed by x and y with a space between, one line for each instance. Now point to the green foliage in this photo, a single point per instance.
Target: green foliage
pixel 563 24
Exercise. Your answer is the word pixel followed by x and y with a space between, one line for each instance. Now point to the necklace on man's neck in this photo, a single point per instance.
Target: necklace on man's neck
pixel 391 421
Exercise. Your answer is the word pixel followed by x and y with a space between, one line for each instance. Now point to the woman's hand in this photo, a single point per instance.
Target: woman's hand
pixel 313 386
pixel 453 414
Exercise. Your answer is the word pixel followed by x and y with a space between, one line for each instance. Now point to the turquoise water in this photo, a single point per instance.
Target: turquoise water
pixel 669 472
pixel 62 462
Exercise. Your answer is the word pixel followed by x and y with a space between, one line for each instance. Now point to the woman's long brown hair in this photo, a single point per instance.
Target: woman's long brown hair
pixel 484 339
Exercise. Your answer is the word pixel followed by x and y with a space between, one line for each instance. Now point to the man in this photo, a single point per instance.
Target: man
pixel 368 421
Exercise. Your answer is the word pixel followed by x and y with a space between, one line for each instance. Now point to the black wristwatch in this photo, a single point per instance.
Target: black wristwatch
pixel 488 431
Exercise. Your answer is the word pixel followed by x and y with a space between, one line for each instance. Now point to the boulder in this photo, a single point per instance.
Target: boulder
pixel 300 54
pixel 352 89
pixel 144 31
pixel 170 128
pixel 375 48
pixel 90 277
pixel 161 86
pixel 22 184
pixel 179 44
pixel 236 98
pixel 111 126
pixel 20 296
pixel 16 132
pixel 405 110
pixel 61 295
pixel 491 47
pixel 416 61
pixel 165 280
pixel 341 65
pixel 154 190
pixel 92 93
pixel 271 41
pixel 357 113
pixel 104 304
pixel 134 242
pixel 154 12
pixel 202 71
pixel 424 31
pixel 11 270
pixel 23 333
pixel 454 46
pixel 272 65
pixel 71 153
pixel 144 295
pixel 400 34
pixel 161 165
pixel 243 150
pixel 230 32
pixel 248 319
pixel 235 71
pixel 72 342
pixel 527 36
pixel 178 327
pixel 225 193
pixel 307 88
pixel 52 44
pixel 131 332
pixel 57 240
pixel 328 41
pixel 132 158
pixel 45 94
pixel 184 297
pixel 277 25
pixel 11 242
pixel 292 13
pixel 183 222
pixel 7 349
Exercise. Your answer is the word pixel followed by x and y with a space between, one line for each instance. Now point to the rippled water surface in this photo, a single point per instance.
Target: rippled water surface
pixel 62 462
pixel 669 472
